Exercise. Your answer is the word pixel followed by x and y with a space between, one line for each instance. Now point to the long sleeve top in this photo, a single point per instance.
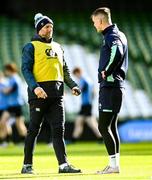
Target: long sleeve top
pixel 113 57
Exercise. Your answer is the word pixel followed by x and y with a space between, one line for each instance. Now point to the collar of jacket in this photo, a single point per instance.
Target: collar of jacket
pixel 37 37
pixel 113 27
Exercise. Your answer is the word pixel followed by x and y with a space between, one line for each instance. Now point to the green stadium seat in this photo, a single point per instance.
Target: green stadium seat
pixel 78 29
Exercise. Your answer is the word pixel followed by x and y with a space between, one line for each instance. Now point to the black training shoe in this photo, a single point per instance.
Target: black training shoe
pixel 27 170
pixel 69 169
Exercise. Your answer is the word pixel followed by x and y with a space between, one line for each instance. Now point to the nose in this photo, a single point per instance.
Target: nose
pixel 50 29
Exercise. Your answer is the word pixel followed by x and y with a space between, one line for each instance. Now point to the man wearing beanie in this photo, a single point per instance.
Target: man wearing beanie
pixel 45 71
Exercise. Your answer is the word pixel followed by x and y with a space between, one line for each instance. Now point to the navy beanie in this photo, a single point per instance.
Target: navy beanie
pixel 41 21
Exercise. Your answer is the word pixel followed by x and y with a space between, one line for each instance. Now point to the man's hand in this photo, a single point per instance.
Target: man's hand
pixel 40 93
pixel 103 75
pixel 76 91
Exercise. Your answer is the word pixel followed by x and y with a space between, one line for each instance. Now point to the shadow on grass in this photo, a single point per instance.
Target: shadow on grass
pixel 42 175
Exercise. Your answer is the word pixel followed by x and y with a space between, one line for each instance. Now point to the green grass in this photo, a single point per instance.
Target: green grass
pixel 136 162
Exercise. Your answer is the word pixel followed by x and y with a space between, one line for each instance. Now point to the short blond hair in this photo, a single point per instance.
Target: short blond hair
pixel 105 11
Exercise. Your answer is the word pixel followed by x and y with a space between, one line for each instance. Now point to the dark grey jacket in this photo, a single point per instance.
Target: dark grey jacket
pixel 113 57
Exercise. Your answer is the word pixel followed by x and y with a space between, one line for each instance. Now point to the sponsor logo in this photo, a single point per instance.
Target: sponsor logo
pixel 50 53
pixel 37 109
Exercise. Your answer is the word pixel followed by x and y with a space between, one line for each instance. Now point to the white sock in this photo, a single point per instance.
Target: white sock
pixel 112 160
pixel 117 159
pixel 63 165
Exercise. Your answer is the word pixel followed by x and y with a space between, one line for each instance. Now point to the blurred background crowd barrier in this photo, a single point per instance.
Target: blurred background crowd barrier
pixel 74 30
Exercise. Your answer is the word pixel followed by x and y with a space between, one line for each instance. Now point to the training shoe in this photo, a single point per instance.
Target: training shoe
pixel 69 169
pixel 109 170
pixel 27 169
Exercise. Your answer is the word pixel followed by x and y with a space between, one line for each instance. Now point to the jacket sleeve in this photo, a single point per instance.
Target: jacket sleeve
pixel 67 78
pixel 116 55
pixel 27 66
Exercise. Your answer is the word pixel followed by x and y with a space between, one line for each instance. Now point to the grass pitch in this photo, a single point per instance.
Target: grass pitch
pixel 135 160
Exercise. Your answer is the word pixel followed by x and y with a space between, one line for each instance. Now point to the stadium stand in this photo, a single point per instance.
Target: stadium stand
pixel 136 101
pixel 81 44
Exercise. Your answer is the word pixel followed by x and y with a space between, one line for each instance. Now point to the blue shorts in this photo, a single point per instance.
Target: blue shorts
pixel 86 110
pixel 15 111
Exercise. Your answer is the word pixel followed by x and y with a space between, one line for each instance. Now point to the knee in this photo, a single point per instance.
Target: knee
pixel 58 132
pixel 102 129
pixel 33 130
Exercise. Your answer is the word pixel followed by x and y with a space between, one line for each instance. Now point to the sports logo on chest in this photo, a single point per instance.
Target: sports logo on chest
pixel 50 53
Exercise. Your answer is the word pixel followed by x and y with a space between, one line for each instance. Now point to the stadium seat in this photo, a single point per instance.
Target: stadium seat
pixel 81 45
